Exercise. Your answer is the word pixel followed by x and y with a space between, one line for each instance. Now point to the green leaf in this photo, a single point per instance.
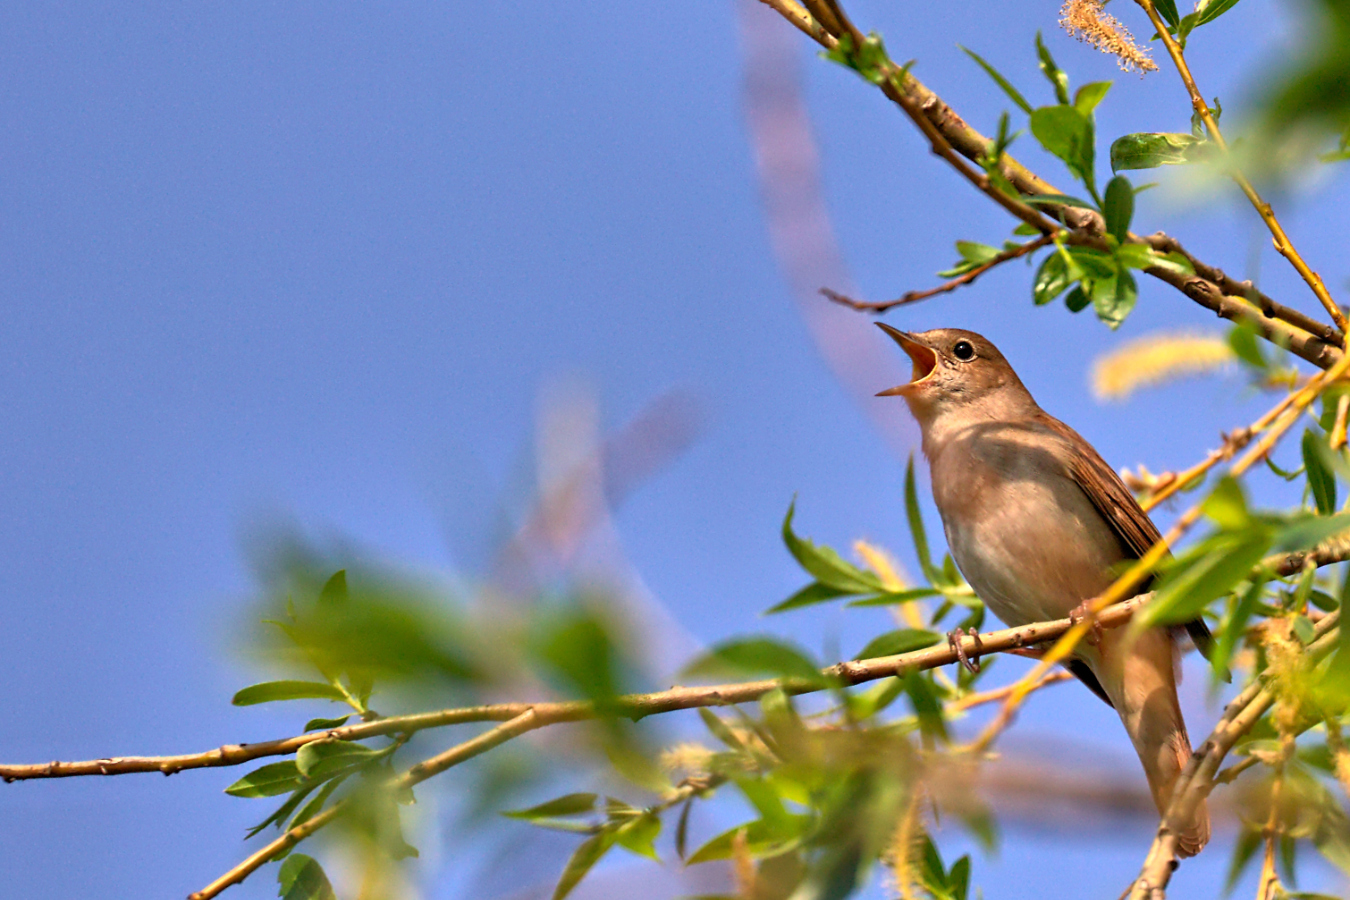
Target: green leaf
pixel 896 598
pixel 1210 570
pixel 567 805
pixel 1321 481
pixel 756 655
pixel 268 781
pixel 828 567
pixel 1089 95
pixel 1052 279
pixel 1168 10
pixel 1226 505
pixel 976 253
pixel 1058 80
pixel 585 856
pixel 335 589
pixel 869 702
pixel 272 691
pixel 720 729
pixel 1058 200
pixel 813 593
pixel 916 529
pixel 281 812
pixel 326 724
pixel 1148 150
pixel 320 759
pixel 1066 132
pixel 893 643
pixel 1119 208
pixel 958 879
pixel 1234 627
pixel 761 837
pixel 1002 82
pixel 927 704
pixel 302 878
pixel 639 834
pixel 1137 256
pixel 1114 299
pixel 1076 300
pixel 1306 532
pixel 1209 10
pixel 313 807
pixel 870 60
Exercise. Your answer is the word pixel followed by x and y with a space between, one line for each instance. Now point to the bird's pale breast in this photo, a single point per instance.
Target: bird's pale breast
pixel 1025 536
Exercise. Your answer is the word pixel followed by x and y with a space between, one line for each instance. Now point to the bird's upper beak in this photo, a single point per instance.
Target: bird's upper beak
pixel 923 356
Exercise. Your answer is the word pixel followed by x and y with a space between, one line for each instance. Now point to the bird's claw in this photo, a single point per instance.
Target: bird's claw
pixel 954 641
pixel 1084 613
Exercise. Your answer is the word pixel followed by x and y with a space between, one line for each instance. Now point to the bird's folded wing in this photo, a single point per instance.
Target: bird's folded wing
pixel 1117 505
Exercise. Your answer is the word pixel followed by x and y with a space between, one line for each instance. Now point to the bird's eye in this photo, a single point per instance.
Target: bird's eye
pixel 963 351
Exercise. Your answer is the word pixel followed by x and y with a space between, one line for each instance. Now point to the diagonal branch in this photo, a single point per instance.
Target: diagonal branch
pixel 960 280
pixel 1282 242
pixel 951 138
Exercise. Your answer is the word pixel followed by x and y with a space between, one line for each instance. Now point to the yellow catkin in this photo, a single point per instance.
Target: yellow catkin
pixel 1156 358
pixel 690 758
pixel 901 856
pixel 1087 21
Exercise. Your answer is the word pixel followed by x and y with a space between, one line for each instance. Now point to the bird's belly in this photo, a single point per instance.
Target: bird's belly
pixel 1033 552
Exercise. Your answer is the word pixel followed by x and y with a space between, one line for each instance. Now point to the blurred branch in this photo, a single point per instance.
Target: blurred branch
pixel 518 725
pixel 638 706
pixel 1201 772
pixel 967 278
pixel 1282 242
pixel 951 138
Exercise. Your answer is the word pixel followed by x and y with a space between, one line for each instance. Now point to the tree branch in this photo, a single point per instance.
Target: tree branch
pixel 950 136
pixel 960 280
pixel 1200 774
pixel 1282 242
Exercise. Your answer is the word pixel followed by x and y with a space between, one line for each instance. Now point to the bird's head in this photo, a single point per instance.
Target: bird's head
pixel 956 371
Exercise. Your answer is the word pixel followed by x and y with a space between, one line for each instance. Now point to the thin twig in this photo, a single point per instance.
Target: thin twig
pixel 960 280
pixel 526 721
pixel 1282 242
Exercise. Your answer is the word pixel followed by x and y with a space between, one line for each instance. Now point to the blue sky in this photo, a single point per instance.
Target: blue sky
pixel 319 262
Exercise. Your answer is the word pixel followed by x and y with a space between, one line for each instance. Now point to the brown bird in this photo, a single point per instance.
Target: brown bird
pixel 1037 521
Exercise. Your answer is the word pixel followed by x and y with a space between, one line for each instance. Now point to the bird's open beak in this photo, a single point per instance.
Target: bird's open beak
pixel 923 357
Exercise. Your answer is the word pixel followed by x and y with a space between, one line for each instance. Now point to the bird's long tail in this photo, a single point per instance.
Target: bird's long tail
pixel 1144 693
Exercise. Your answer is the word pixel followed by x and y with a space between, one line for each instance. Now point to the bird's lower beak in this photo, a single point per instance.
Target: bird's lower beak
pixel 923 357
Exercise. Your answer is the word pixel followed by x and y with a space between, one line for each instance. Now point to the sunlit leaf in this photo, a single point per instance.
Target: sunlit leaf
pixel 1052 279
pixel 334 590
pixel 326 724
pixel 895 642
pixel 1118 207
pixel 585 856
pixel 639 835
pixel 302 878
pixel 320 759
pixel 1058 80
pixel 1012 92
pixel 813 593
pixel 1208 571
pixel 756 656
pixel 268 781
pixel 1321 481
pixel 1066 132
pixel 828 567
pixel 1148 150
pixel 917 532
pixel 1087 97
pixel 271 691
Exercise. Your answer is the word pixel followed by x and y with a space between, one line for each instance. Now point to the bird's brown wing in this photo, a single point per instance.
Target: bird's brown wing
pixel 1117 505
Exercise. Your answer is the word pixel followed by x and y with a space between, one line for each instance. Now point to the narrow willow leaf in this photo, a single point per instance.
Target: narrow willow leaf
pixel 567 805
pixel 1058 80
pixel 1086 99
pixel 927 705
pixel 313 807
pixel 268 781
pixel 760 838
pixel 893 643
pixel 639 835
pixel 335 589
pixel 272 691
pixel 720 729
pixel 320 759
pixel 1226 505
pixel 682 829
pixel 828 567
pixel 976 253
pixel 1321 481
pixel 896 598
pixel 1211 570
pixel 302 878
pixel 281 812
pixel 586 856
pixel 756 655
pixel 1148 150
pixel 1118 202
pixel 326 724
pixel 1305 532
pixel 813 593
pixel 1235 626
pixel 1168 10
pixel 1012 92
pixel 1209 10
pixel 916 529
pixel 1058 200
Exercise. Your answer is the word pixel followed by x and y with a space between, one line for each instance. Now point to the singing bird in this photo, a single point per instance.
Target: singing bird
pixel 1037 521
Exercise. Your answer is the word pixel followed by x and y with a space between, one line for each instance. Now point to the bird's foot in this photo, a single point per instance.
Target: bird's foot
pixel 1084 613
pixel 954 641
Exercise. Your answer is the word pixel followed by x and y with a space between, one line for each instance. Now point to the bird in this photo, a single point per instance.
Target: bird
pixel 1038 523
